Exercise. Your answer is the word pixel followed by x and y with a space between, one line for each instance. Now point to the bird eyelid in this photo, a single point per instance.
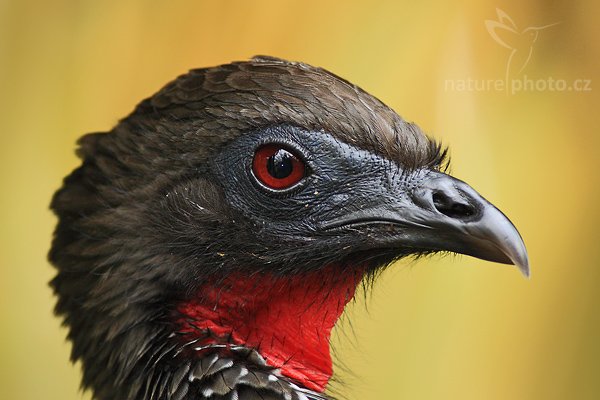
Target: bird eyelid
pixel 301 151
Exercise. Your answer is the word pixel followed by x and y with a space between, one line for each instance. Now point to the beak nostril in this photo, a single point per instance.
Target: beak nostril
pixel 451 207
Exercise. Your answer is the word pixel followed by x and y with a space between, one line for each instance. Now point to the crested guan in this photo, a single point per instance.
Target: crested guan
pixel 208 243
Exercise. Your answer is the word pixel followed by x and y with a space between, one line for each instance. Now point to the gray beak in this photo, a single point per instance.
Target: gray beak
pixel 435 212
pixel 456 218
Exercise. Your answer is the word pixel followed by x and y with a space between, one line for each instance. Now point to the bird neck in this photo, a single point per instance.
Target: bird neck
pixel 288 320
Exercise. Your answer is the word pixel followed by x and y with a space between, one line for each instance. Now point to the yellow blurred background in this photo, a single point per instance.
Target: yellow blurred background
pixel 441 328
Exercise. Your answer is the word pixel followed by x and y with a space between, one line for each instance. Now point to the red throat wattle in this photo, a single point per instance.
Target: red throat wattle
pixel 287 319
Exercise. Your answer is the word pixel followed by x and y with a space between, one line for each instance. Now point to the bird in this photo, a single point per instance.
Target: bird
pixel 520 42
pixel 208 243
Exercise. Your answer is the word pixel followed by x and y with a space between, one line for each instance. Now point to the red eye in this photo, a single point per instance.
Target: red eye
pixel 276 167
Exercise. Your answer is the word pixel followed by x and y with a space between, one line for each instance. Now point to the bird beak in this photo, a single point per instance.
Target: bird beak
pixel 441 213
pixel 447 214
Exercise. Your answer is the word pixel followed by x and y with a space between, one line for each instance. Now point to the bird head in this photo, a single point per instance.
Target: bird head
pixel 239 208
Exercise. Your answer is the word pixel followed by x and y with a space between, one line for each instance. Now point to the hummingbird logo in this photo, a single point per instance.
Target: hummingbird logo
pixel 520 42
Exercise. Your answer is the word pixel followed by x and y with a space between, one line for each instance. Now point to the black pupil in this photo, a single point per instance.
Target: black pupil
pixel 280 165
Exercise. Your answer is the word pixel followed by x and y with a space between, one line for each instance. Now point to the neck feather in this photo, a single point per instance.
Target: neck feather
pixel 288 320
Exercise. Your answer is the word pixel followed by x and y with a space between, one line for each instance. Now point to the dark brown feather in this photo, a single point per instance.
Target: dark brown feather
pixel 118 249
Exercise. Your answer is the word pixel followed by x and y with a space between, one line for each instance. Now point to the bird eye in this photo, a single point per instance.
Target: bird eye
pixel 277 167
